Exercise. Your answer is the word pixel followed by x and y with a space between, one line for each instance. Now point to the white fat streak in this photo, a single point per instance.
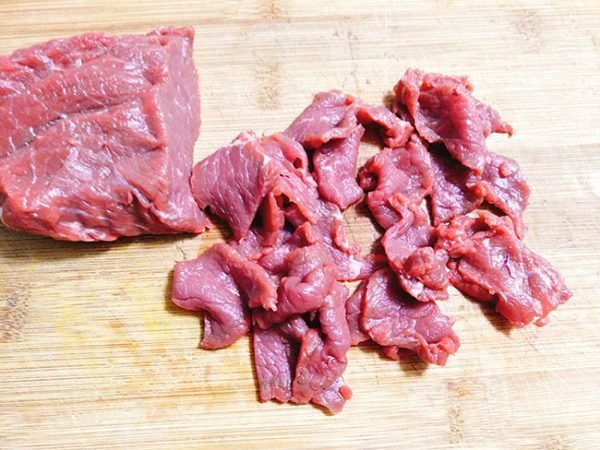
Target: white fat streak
pixel 355 267
pixel 266 160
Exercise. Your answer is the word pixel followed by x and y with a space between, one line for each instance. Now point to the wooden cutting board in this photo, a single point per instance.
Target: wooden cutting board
pixel 94 355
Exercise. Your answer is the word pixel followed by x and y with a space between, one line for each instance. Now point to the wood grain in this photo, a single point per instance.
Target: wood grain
pixel 93 354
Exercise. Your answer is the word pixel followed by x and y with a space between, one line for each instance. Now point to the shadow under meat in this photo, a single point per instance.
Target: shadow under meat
pixel 409 362
pixel 21 245
pixel 488 309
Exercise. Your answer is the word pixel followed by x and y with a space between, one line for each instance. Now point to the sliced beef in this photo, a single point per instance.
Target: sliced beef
pixel 97 135
pixel 443 109
pixel 309 279
pixel 450 194
pixel 334 397
pixel 335 115
pixel 290 251
pixel 222 284
pixel 490 263
pixel 295 363
pixel 332 232
pixel 235 181
pixel 393 319
pixel 276 352
pixel 503 185
pixel 353 312
pixel 235 195
pixel 420 268
pixel 333 126
pixel 398 179
pixel 322 361
pixel 335 169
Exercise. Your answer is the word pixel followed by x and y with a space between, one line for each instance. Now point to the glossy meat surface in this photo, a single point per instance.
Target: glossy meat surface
pixel 97 135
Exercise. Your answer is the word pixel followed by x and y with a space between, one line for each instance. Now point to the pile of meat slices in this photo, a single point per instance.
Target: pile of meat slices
pixel 431 189
pixel 96 142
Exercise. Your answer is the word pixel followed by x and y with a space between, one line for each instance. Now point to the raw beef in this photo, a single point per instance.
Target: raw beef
pixel 280 274
pixel 333 126
pixel 97 135
pixel 393 319
pixel 443 109
pixel 353 312
pixel 490 263
pixel 223 284
pixel 503 185
pixel 397 180
pixel 450 195
pixel 235 181
pixel 420 268
pixel 294 363
pixel 276 352
pixel 322 361
pixel 309 279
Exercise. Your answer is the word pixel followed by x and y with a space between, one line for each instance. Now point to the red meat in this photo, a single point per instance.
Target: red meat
pixel 490 263
pixel 393 319
pixel 420 268
pixel 97 135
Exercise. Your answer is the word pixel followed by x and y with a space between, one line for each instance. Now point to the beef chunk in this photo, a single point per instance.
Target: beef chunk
pixel 97 135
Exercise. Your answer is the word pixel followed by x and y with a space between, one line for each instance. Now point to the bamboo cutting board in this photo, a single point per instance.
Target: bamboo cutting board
pixel 94 355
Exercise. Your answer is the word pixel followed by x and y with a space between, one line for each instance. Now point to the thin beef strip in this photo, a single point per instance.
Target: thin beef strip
pixel 223 284
pixel 333 126
pixel 398 179
pixel 490 263
pixel 235 181
pixel 503 185
pixel 322 362
pixel 443 109
pixel 275 356
pixel 310 372
pixel 353 312
pixel 309 278
pixel 450 195
pixel 393 319
pixel 420 268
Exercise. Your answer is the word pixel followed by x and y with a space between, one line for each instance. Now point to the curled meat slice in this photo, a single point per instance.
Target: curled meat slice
pixel 353 312
pixel 335 169
pixel 503 185
pixel 420 268
pixel 322 361
pixel 443 109
pixel 235 180
pixel 309 278
pixel 296 363
pixel 393 319
pixel 275 357
pixel 398 180
pixel 223 284
pixel 450 195
pixel 490 263
pixel 332 125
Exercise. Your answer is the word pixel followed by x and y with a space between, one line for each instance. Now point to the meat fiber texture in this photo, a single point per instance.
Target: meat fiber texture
pixel 97 135
pixel 283 195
